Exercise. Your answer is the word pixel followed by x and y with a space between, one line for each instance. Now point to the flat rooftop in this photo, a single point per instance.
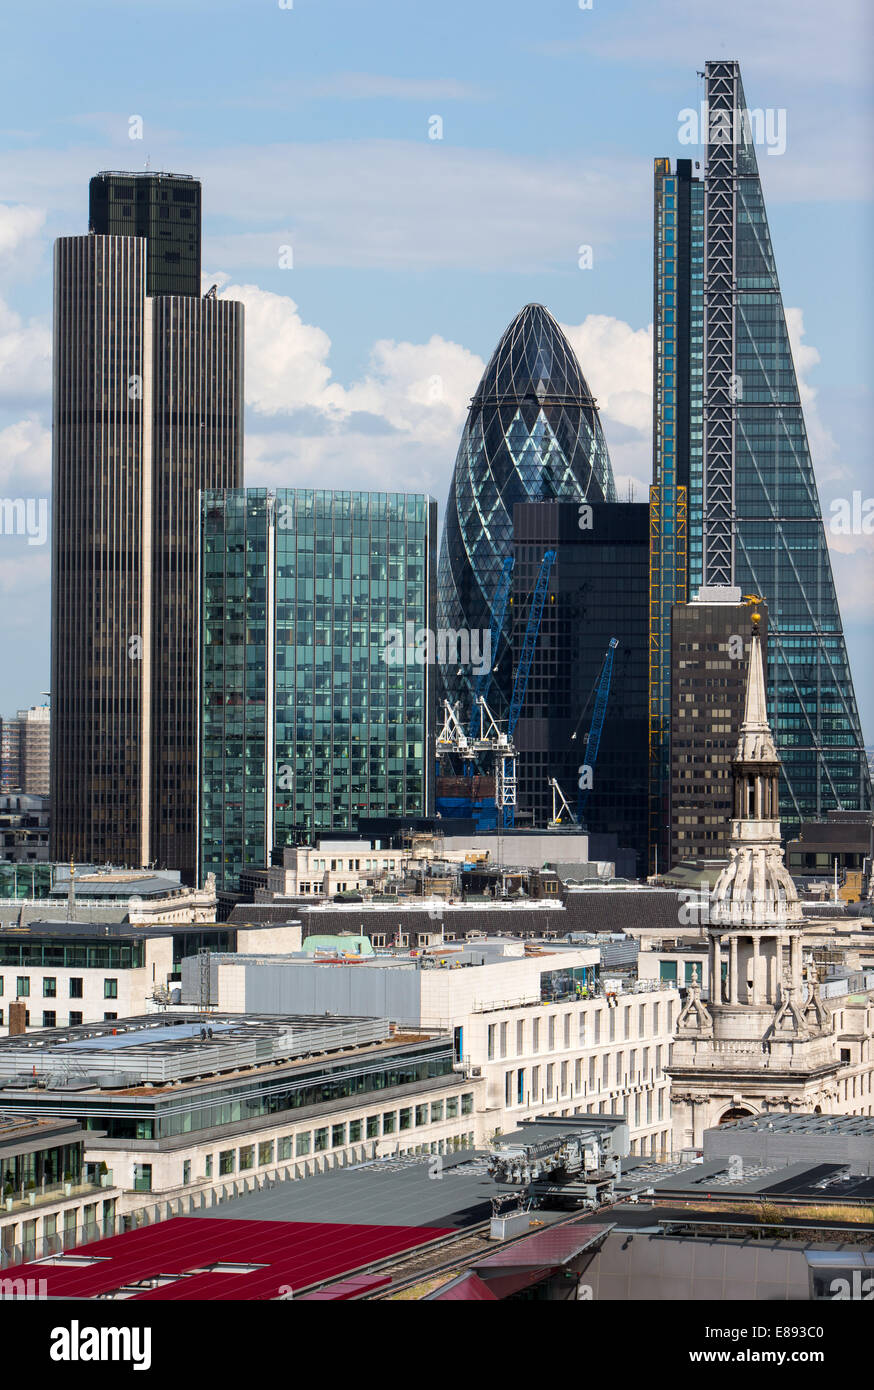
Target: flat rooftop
pixel 816 1182
pixel 94 931
pixel 161 1048
pixel 862 1125
pixel 450 1191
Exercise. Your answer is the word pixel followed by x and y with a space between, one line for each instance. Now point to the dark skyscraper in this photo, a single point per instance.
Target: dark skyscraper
pixel 729 426
pixel 532 435
pixel 597 591
pixel 710 644
pixel 163 208
pixel 147 410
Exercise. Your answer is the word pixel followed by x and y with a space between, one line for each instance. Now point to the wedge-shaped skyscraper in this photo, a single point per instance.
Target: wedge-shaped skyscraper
pixel 732 461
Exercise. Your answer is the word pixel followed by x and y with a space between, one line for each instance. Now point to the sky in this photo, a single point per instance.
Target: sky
pixel 387 182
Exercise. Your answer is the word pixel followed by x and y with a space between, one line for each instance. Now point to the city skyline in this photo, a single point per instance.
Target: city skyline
pixel 314 322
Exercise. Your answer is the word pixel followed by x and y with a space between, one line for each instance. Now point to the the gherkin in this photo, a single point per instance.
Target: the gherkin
pixel 532 435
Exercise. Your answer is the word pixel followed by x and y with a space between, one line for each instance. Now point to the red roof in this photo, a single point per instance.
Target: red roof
pixel 467 1288
pixel 294 1255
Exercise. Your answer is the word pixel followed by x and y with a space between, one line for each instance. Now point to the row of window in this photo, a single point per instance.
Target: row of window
pixel 498 1033
pixel 50 987
pixel 50 1018
pixel 293 1146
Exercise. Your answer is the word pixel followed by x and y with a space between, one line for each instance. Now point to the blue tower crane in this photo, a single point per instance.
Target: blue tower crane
pixel 523 671
pixel 593 741
pixel 483 682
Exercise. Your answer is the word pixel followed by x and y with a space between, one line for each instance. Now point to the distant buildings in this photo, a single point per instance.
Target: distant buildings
pixel 734 500
pixel 24 752
pixel 24 829
pixel 532 435
pixel 710 641
pixel 597 591
pixel 317 702
pixel 147 412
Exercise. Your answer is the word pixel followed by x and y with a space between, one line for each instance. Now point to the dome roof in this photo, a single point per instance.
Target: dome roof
pixel 534 360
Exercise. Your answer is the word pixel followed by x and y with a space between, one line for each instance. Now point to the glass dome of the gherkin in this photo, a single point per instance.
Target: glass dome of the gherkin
pixel 532 434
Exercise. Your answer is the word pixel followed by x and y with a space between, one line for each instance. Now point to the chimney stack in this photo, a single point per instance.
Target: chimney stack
pixel 17 1018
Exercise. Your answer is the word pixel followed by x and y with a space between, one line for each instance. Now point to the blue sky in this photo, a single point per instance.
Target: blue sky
pixel 309 127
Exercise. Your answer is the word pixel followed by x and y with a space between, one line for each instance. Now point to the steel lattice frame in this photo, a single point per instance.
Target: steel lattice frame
pixel 720 196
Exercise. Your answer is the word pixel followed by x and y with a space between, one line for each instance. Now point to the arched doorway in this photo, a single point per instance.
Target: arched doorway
pixel 735 1112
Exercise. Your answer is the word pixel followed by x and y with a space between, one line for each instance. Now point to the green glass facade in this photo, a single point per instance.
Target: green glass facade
pixel 305 725
pixel 754 517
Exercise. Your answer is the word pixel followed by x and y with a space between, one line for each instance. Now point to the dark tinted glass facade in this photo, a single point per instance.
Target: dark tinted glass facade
pixel 163 208
pixel 306 726
pixel 147 410
pixel 754 514
pixel 710 643
pixel 532 434
pixel 597 590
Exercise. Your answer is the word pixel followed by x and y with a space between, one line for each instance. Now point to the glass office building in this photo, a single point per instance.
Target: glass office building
pixel 163 208
pixel 754 517
pixel 315 707
pixel 597 591
pixel 532 435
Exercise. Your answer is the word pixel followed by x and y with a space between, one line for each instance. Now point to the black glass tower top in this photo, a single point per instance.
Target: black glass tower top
pixel 163 208
pixel 533 361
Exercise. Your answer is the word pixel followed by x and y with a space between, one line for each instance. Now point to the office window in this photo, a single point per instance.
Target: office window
pixel 389 1122
pixel 436 1111
pixel 550 1045
pixel 321 1140
pixel 491 1049
pixel 186 1171
pixel 207 1166
pixel 285 1148
pixel 22 986
pixel 535 1029
pixel 110 989
pixel 406 1120
pixel 142 1177
pixel 49 1018
pixel 372 1127
pixel 354 1131
pixel 49 987
pixel 302 1144
pixel 265 1152
pixel 550 1079
pixel 247 1157
pixel 227 1162
pixel 75 1017
pixel 76 987
pixel 1 984
pixel 567 1030
pixel 582 1026
pixel 338 1136
pixel 107 1018
pixel 421 1114
pixel 452 1107
pixel 467 1103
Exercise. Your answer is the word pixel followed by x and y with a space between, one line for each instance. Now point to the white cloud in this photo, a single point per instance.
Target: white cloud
pixel 18 224
pixel 25 459
pixel 823 447
pixel 25 358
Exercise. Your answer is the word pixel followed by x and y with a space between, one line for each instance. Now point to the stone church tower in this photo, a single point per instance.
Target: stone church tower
pixel 765 1041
